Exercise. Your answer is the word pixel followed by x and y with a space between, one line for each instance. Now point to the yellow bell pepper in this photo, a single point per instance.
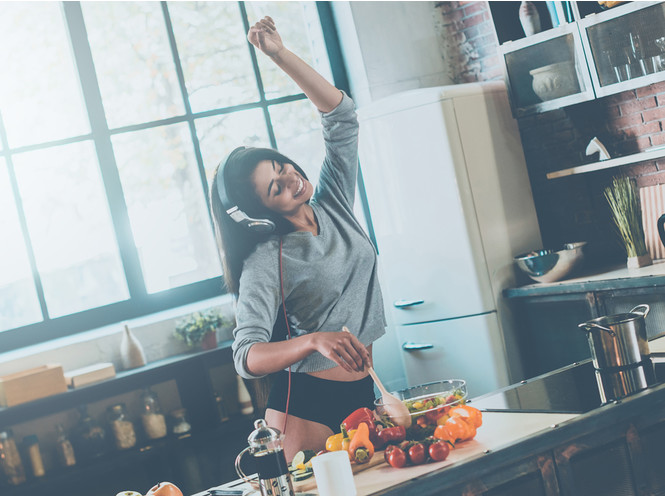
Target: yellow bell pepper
pixel 334 442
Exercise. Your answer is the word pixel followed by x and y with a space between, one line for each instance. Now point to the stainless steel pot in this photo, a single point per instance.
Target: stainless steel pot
pixel 618 340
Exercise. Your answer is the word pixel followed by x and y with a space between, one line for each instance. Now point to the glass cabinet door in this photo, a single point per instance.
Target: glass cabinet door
pixel 626 46
pixel 547 71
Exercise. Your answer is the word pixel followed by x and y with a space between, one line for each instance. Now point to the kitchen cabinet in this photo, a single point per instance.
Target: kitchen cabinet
pixel 584 54
pixel 192 461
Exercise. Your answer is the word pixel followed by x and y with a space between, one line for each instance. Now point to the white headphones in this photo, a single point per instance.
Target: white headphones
pixel 230 207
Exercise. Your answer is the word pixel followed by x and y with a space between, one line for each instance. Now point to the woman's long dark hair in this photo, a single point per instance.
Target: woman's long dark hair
pixel 236 242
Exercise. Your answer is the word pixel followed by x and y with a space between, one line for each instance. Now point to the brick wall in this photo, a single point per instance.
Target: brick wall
pixel 571 208
pixel 468 41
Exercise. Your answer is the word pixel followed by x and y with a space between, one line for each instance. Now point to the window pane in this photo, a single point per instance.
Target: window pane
pixel 214 54
pixel 19 305
pixel 167 207
pixel 133 61
pixel 70 228
pixel 298 135
pixel 299 26
pixel 38 83
pixel 220 134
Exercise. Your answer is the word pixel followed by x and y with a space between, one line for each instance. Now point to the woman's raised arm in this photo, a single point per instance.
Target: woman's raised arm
pixel 264 36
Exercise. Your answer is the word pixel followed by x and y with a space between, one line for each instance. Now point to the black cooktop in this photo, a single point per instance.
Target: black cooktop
pixel 571 389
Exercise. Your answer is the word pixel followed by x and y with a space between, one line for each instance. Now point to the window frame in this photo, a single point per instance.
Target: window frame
pixel 140 302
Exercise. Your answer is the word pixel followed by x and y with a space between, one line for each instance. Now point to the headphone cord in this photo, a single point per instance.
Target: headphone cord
pixel 288 330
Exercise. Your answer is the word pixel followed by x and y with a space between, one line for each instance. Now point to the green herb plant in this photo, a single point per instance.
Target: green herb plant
pixel 624 203
pixel 193 328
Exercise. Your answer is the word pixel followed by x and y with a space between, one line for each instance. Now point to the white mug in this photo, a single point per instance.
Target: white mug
pixel 333 474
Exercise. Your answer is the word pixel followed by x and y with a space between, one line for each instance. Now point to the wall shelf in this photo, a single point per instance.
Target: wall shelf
pixel 610 163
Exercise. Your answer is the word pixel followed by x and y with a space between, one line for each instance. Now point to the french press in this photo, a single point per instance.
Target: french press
pixel 265 446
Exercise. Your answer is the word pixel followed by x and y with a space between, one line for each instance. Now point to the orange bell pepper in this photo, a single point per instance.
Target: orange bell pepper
pixel 455 429
pixel 361 449
pixel 469 413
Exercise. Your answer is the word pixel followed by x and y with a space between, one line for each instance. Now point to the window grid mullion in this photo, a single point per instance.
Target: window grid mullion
pixel 102 141
pixel 36 277
pixel 257 75
pixel 185 98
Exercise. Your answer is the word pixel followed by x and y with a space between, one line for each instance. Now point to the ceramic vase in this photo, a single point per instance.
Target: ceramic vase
pixel 529 18
pixel 131 351
pixel 554 80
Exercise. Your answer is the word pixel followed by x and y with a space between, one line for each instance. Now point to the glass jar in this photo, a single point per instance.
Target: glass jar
pixel 64 448
pixel 154 422
pixel 34 455
pixel 181 425
pixel 222 414
pixel 10 459
pixel 89 436
pixel 121 427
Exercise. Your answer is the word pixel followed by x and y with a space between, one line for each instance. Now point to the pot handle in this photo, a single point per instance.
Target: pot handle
pixel 587 325
pixel 644 309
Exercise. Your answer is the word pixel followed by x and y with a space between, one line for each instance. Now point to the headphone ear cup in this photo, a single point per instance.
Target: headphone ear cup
pixel 255 225
pixel 232 210
pixel 261 226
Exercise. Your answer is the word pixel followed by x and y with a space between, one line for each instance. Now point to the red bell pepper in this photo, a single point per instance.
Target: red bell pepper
pixel 392 435
pixel 367 416
pixel 358 417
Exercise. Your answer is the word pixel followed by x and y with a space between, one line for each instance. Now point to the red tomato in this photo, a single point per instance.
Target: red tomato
pixel 387 451
pixel 417 454
pixel 396 457
pixel 439 451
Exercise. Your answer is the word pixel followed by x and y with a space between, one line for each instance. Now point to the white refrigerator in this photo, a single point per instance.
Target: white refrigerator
pixel 451 205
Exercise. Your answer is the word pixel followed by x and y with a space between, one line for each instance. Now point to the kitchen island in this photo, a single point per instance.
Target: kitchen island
pixel 531 444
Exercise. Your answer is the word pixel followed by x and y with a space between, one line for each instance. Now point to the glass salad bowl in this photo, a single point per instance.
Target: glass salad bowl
pixel 428 402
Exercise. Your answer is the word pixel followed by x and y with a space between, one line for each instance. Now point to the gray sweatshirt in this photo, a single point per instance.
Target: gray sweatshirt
pixel 330 280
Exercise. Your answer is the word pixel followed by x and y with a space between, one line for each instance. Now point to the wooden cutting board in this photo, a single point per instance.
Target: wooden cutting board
pixel 308 484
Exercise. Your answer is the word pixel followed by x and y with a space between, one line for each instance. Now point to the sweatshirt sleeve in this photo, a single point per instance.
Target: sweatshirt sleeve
pixel 257 305
pixel 340 165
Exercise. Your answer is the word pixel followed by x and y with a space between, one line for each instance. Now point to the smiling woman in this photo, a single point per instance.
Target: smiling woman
pixel 107 132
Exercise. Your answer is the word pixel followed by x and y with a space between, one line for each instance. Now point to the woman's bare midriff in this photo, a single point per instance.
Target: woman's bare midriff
pixel 339 374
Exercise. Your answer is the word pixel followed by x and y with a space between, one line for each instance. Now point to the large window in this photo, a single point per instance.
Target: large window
pixel 113 117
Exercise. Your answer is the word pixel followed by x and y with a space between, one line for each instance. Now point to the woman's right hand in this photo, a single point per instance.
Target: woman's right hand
pixel 264 36
pixel 344 349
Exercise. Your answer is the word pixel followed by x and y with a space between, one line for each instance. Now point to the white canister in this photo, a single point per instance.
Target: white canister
pixel 333 474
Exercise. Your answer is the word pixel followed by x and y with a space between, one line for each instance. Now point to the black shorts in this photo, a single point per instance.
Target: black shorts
pixel 320 400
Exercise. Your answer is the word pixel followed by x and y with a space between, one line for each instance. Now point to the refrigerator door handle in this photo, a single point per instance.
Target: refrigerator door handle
pixel 407 303
pixel 417 346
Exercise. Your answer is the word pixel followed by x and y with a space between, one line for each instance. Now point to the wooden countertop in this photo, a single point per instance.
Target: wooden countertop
pixel 619 277
pixel 499 430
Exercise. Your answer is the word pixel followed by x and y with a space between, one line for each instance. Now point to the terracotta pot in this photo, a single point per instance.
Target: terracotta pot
pixel 209 341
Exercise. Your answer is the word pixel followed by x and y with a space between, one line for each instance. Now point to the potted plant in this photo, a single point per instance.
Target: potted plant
pixel 623 198
pixel 200 328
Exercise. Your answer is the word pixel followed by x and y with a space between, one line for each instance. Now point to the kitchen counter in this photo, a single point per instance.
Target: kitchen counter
pixel 535 453
pixel 618 277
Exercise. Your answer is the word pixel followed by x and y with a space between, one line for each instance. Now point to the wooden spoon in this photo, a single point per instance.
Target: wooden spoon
pixel 392 405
